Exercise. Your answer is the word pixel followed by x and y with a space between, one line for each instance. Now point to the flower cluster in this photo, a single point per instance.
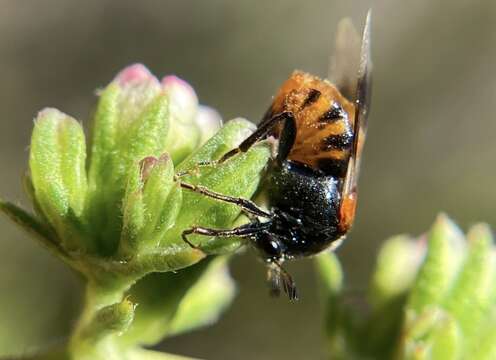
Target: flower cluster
pixel 115 213
pixel 432 298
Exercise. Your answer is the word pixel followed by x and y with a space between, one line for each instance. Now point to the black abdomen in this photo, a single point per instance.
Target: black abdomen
pixel 306 208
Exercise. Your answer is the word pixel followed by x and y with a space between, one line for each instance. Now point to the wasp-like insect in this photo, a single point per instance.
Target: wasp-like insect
pixel 311 182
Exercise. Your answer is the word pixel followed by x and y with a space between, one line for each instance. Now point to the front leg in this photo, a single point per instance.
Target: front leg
pixel 260 133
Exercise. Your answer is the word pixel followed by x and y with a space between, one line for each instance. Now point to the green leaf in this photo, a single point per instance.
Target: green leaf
pixel 57 163
pixel 34 227
pixel 111 319
pixel 175 302
pixel 206 299
pixel 141 354
pixel 227 138
pixel 238 177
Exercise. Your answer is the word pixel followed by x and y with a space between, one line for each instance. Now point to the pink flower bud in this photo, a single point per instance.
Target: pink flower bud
pixel 138 88
pixel 182 98
pixel 136 73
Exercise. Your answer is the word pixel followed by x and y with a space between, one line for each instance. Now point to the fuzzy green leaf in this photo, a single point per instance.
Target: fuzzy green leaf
pixel 46 237
pixel 111 319
pixel 206 299
pixel 238 177
pixel 175 302
pixel 141 354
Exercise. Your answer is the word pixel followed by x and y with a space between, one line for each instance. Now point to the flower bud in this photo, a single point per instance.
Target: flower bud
pixel 131 122
pixel 184 135
pixel 208 122
pixel 150 206
pixel 57 164
pixel 396 268
pixel 444 254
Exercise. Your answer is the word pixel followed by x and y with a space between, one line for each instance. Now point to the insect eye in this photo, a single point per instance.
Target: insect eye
pixel 274 246
pixel 270 248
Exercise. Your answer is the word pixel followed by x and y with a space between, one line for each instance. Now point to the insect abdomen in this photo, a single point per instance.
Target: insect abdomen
pixel 324 132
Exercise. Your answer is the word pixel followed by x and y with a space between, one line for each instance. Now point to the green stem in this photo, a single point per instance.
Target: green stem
pixel 93 335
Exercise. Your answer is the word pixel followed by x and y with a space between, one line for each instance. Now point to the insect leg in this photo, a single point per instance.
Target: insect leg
pixel 246 230
pixel 278 277
pixel 261 132
pixel 247 206
pixel 287 137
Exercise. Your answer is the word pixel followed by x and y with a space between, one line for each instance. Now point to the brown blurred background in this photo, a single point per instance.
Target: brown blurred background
pixel 431 143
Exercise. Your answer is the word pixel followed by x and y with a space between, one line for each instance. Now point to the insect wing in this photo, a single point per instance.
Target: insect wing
pixel 362 106
pixel 346 59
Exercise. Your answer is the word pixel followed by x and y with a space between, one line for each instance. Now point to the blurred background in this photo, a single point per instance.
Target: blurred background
pixel 431 144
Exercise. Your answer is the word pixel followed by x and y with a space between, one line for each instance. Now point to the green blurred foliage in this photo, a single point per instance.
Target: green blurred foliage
pixel 429 145
pixel 432 298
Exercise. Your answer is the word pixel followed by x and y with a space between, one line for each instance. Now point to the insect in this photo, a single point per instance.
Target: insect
pixel 311 182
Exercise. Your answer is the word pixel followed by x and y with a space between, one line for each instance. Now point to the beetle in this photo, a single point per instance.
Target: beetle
pixel 311 181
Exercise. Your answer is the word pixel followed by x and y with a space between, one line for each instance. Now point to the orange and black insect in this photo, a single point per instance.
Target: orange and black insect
pixel 312 180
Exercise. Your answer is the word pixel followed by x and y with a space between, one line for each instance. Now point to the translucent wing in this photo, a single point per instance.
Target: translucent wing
pixel 362 98
pixel 362 80
pixel 346 59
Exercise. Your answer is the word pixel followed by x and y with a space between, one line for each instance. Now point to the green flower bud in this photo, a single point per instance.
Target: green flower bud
pixel 433 298
pixel 57 164
pixel 445 251
pixel 151 205
pixel 475 281
pixel 131 123
pixel 396 268
pixel 114 318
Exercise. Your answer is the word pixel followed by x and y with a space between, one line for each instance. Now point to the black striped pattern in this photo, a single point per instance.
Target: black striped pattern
pixel 313 96
pixel 337 142
pixel 334 113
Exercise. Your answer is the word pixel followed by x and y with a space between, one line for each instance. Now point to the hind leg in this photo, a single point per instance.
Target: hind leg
pixel 242 231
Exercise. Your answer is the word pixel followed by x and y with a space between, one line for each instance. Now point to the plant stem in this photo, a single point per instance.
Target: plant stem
pixel 92 337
